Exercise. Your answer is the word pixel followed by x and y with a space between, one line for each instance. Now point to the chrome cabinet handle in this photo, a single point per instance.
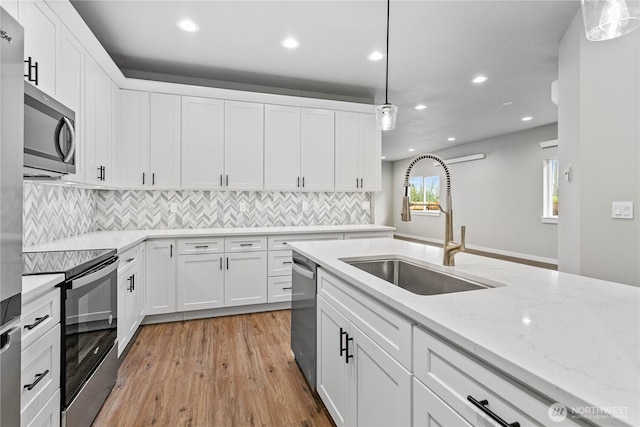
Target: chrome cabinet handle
pixel 38 320
pixel 39 378
pixel 482 405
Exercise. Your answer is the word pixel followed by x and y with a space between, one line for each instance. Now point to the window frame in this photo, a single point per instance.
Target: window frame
pixel 425 211
pixel 547 191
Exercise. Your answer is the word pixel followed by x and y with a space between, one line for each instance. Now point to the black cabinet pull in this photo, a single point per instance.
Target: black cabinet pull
pixel 130 280
pixel 298 181
pixel 143 175
pixel 99 173
pixel 357 186
pixel 39 378
pixel 342 349
pixel 227 180
pixel 287 262
pixel 201 246
pixel 242 245
pixel 171 251
pixel 220 180
pixel 104 173
pixel 37 322
pixel 220 263
pixel 130 259
pixel 347 356
pixel 361 183
pixel 303 181
pixel 133 282
pixel 227 263
pixel 32 66
pixel 482 405
pixel 153 178
pixel 287 288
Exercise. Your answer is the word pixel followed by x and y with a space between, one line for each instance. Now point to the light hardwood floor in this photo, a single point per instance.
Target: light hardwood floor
pixel 225 371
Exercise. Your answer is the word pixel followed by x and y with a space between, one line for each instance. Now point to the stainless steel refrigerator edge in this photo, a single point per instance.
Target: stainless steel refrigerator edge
pixel 11 146
pixel 303 316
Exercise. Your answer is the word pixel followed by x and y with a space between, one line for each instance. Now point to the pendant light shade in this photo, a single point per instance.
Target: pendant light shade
pixel 386 113
pixel 608 19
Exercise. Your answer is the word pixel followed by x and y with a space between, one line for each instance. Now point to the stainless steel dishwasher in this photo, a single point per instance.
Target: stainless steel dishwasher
pixel 303 316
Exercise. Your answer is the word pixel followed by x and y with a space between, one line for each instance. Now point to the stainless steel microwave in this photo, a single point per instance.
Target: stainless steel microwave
pixel 49 135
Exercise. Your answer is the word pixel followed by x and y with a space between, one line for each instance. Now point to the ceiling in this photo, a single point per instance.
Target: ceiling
pixel 435 49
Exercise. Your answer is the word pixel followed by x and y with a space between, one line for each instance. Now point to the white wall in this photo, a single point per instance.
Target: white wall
pixel 499 198
pixel 599 130
pixel 383 200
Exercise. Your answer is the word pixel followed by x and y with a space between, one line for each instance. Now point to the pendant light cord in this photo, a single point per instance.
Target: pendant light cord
pixel 386 87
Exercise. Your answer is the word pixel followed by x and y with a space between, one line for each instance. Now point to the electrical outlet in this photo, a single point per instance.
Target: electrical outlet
pixel 622 210
pixel 173 207
pixel 366 206
pixel 305 206
pixel 243 207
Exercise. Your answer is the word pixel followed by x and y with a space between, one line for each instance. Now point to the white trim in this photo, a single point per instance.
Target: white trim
pixel 484 249
pixel 468 158
pixel 549 144
pixel 549 219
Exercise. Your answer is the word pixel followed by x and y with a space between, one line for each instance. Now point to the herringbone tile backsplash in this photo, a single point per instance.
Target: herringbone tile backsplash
pixel 131 210
pixel 53 212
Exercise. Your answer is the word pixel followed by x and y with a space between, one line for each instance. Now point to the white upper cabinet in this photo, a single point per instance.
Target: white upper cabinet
pixel 358 151
pixel 317 150
pixel 71 92
pixel 97 125
pixel 243 145
pixel 202 143
pixel 164 155
pixel 10 6
pixel 298 146
pixel 282 148
pixel 133 141
pixel 41 42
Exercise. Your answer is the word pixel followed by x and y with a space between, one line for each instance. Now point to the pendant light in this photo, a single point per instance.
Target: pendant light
pixel 608 19
pixel 386 113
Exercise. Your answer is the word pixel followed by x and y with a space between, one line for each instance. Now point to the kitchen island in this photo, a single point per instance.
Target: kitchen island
pixel 569 339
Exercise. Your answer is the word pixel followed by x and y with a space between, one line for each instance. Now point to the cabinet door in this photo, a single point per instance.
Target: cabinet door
pixel 103 127
pixel 346 151
pixel 200 281
pixel 141 283
pixel 126 307
pixel 317 150
pixel 112 175
pixel 92 173
pixel 370 154
pixel 334 374
pixel 243 145
pixel 282 148
pixel 430 411
pixel 133 141
pixel 41 41
pixel 245 278
pixel 70 86
pixel 161 276
pixel 382 389
pixel 164 157
pixel 202 143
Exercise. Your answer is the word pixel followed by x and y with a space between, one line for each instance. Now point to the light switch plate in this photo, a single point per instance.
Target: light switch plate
pixel 622 210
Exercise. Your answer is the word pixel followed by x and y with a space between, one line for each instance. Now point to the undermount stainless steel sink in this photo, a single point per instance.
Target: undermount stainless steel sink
pixel 415 278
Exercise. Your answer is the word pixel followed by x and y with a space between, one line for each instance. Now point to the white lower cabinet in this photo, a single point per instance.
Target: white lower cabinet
pixel 200 281
pixel 279 289
pixel 130 294
pixel 245 278
pixel 359 382
pixel 49 415
pixel 161 276
pixel 430 411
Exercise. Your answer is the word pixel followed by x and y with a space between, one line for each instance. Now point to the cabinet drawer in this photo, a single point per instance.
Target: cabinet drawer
pixel 39 316
pixel 128 257
pixel 281 242
pixel 40 372
pixel 245 244
pixel 200 246
pixel 430 411
pixel 279 289
pixel 384 327
pixel 453 376
pixel 49 416
pixel 279 263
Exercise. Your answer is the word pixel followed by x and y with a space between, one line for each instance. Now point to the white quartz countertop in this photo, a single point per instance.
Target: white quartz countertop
pixel 122 240
pixel 571 338
pixel 34 286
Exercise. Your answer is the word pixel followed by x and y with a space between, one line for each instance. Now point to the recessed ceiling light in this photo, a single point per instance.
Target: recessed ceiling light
pixel 188 26
pixel 420 107
pixel 451 139
pixel 290 43
pixel 383 157
pixel 375 56
pixel 527 118
pixel 504 104
pixel 480 79
pixel 412 149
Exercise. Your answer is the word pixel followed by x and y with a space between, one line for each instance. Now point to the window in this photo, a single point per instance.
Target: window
pixel 424 189
pixel 550 190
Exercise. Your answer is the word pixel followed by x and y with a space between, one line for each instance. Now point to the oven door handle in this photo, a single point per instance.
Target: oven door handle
pixel 90 278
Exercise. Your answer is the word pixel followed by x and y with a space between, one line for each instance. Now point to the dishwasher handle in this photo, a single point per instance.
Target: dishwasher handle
pixel 304 272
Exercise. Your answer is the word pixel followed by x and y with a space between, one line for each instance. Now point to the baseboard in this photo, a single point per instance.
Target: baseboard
pixel 536 261
pixel 214 312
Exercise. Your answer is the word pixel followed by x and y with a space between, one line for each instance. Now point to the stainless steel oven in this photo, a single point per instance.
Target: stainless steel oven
pixel 49 135
pixel 89 361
